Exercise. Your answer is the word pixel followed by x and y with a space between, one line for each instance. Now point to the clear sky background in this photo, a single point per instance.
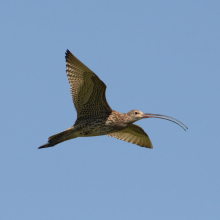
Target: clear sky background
pixel 156 56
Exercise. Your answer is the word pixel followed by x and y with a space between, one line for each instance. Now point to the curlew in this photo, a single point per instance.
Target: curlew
pixel 94 115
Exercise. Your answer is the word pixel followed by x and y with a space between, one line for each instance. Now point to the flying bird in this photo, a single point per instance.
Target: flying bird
pixel 94 115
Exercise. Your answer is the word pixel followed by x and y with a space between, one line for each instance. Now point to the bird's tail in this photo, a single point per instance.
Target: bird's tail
pixel 60 137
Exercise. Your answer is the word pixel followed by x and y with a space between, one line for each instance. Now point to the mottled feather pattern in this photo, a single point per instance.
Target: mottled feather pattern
pixel 88 91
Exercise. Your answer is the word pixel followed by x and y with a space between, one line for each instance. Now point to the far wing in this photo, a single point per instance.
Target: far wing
pixel 133 134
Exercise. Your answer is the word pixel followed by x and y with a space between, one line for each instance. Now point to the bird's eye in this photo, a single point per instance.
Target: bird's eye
pixel 135 113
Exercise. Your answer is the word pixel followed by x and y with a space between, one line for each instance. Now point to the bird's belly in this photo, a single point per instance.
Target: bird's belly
pixel 97 128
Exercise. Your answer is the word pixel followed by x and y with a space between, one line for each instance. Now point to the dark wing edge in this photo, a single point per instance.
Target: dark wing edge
pixel 69 59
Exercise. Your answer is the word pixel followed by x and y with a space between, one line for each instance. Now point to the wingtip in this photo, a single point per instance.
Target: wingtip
pixel 67 52
pixel 148 146
pixel 69 55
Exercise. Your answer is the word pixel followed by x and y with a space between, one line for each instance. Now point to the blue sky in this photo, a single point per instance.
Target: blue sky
pixel 156 56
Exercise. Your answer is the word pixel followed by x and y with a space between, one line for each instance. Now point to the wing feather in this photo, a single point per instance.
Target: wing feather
pixel 88 91
pixel 133 134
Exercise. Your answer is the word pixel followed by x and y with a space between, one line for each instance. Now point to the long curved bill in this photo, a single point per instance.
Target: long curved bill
pixel 165 117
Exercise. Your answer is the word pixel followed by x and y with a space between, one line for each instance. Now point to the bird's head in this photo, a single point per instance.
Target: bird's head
pixel 138 115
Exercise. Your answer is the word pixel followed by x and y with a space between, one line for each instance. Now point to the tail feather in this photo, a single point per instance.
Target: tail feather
pixel 60 137
pixel 46 145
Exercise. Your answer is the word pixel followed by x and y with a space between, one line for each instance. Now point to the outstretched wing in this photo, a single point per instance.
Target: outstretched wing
pixel 133 134
pixel 88 91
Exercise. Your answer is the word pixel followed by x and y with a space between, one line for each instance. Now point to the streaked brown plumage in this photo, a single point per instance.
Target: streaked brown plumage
pixel 94 115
